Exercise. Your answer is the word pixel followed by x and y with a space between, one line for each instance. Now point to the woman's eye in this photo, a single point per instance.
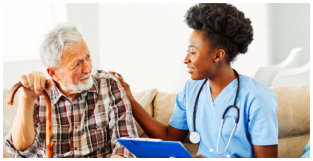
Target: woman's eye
pixel 190 52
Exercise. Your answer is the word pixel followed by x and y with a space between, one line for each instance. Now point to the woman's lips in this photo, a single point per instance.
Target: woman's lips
pixel 190 70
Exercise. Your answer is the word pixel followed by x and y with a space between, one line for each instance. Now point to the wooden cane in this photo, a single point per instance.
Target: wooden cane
pixel 49 140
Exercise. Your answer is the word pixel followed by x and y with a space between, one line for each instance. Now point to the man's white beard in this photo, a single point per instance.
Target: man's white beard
pixel 80 87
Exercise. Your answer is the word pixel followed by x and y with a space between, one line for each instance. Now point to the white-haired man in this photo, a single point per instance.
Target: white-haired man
pixel 89 112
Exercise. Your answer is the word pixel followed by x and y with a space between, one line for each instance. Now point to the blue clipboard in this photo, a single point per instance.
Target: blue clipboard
pixel 154 148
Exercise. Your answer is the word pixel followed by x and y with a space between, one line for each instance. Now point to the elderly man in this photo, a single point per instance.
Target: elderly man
pixel 89 112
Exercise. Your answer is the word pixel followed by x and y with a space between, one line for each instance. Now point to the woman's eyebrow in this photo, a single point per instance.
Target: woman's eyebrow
pixel 191 46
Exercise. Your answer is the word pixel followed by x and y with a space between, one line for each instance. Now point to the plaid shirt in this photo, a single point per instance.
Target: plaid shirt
pixel 86 126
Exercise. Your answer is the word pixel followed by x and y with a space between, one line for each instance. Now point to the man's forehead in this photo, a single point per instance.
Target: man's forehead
pixel 75 51
pixel 78 45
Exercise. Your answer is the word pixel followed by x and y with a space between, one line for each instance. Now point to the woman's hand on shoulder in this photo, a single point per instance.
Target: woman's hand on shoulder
pixel 124 84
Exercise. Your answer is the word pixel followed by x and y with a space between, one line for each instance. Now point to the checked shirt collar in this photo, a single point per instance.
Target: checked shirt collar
pixel 56 94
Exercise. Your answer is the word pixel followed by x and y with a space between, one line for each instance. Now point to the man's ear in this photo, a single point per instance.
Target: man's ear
pixel 220 55
pixel 53 73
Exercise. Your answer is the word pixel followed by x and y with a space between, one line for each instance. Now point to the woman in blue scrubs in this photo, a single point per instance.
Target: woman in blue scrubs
pixel 220 33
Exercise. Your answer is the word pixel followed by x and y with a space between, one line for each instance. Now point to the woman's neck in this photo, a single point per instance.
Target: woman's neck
pixel 222 78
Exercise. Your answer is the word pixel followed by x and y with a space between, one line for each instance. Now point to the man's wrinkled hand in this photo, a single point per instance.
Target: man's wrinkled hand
pixel 34 84
pixel 116 156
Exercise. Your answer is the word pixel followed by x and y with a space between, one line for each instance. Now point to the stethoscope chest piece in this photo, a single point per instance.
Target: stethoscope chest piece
pixel 194 137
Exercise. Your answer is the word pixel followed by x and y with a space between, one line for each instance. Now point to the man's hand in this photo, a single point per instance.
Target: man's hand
pixel 23 132
pixel 116 156
pixel 34 84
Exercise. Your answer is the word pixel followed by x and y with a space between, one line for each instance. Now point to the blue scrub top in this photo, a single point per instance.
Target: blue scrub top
pixel 257 121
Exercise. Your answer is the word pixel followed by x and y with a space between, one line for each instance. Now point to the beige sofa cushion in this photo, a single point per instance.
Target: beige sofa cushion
pixel 145 99
pixel 164 104
pixel 292 147
pixel 293 110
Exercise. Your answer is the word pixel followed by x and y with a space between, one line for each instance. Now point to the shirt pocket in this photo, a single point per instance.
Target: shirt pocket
pixel 96 129
pixel 97 139
pixel 62 139
pixel 97 117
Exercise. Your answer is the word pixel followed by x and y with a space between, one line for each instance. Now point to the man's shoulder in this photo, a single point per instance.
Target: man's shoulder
pixel 104 77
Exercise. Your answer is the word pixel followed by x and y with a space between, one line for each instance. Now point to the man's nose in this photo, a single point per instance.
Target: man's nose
pixel 87 67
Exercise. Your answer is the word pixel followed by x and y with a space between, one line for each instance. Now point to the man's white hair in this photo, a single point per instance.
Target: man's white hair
pixel 56 41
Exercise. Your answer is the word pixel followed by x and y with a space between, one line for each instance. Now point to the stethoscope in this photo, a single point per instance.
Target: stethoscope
pixel 195 136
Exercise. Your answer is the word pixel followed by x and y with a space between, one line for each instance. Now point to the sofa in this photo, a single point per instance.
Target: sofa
pixel 293 116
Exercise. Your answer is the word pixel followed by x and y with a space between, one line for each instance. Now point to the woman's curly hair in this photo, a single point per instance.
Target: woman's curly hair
pixel 225 26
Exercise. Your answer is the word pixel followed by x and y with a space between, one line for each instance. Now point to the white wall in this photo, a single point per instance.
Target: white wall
pixel 289 28
pixel 258 51
pixel 12 70
pixel 147 43
pixel 85 17
pixel 24 26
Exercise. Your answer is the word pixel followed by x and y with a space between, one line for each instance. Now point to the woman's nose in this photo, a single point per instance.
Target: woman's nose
pixel 187 60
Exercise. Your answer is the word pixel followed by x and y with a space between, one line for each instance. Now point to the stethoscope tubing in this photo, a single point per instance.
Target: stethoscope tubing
pixel 223 117
pixel 195 105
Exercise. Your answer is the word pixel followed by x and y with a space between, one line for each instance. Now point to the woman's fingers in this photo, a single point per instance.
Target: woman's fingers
pixel 199 156
pixel 119 77
pixel 124 84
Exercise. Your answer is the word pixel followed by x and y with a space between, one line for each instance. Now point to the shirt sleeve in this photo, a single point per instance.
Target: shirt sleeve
pixel 31 151
pixel 121 123
pixel 178 119
pixel 263 126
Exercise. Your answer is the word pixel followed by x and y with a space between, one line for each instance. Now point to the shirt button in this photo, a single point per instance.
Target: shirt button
pixel 75 127
pixel 75 148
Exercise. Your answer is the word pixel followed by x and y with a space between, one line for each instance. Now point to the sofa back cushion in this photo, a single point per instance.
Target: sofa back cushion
pixel 145 99
pixel 293 110
pixel 293 119
pixel 164 104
